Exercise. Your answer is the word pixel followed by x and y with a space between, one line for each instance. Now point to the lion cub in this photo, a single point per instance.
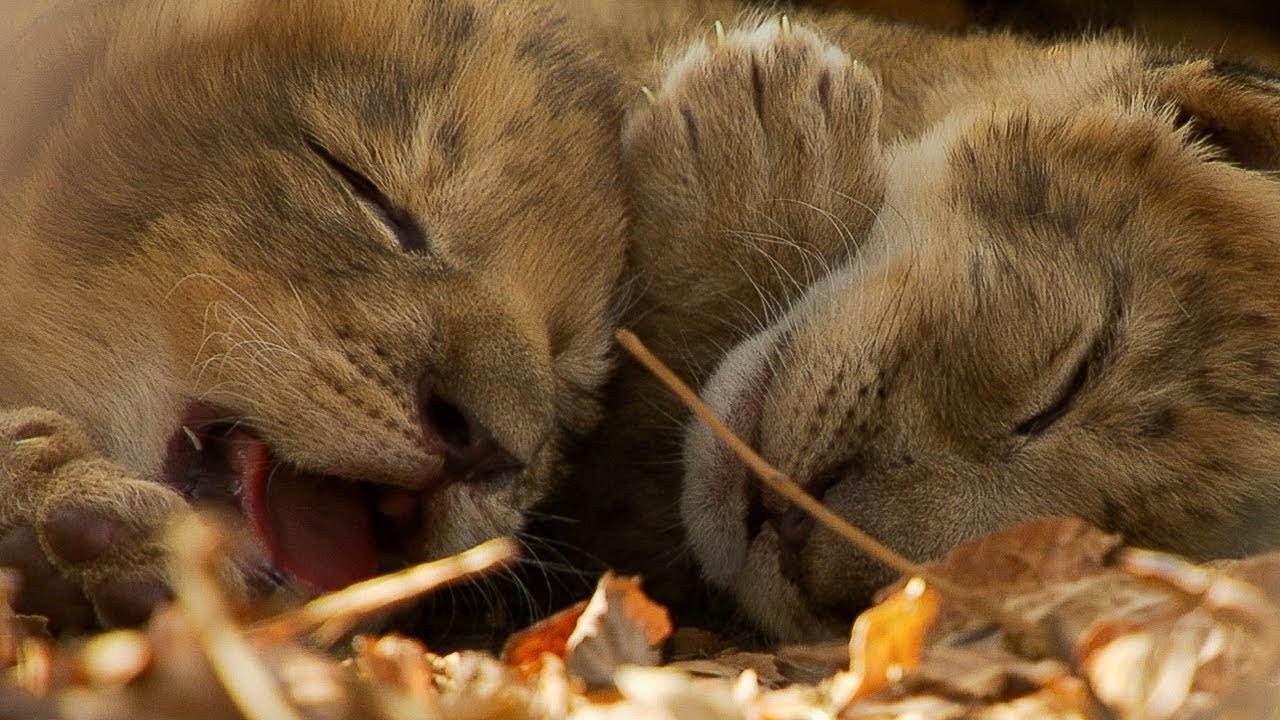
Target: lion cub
pixel 948 284
pixel 344 267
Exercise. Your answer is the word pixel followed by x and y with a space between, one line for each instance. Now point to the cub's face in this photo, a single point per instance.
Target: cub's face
pixel 347 266
pixel 1057 313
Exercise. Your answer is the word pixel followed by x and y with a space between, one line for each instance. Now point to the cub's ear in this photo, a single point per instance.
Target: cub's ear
pixel 1233 106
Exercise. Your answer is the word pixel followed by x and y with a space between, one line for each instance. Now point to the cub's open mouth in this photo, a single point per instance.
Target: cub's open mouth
pixel 324 532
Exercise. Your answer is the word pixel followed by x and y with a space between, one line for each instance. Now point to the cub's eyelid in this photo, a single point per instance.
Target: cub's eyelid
pixel 403 226
pixel 1091 363
pixel 1045 419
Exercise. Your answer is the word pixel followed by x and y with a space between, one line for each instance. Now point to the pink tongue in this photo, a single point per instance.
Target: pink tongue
pixel 317 529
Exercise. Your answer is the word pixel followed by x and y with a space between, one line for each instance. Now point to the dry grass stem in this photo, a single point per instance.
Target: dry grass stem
pixel 115 658
pixel 195 544
pixel 780 483
pixel 336 612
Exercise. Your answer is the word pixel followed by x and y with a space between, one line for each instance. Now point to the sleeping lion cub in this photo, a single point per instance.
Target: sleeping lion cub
pixel 346 267
pixel 948 284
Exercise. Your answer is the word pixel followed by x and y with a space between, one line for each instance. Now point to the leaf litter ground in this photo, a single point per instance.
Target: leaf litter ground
pixel 1049 619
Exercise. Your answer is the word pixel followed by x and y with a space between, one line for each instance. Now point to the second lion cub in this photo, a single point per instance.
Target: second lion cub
pixel 948 284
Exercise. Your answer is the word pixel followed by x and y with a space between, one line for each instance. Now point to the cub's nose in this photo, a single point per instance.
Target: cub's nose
pixel 471 454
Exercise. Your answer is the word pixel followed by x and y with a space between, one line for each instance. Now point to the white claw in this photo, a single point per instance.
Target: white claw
pixel 195 439
pixel 719 26
pixel 786 26
pixel 648 94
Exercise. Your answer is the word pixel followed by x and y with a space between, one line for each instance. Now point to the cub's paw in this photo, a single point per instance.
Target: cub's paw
pixel 757 133
pixel 82 531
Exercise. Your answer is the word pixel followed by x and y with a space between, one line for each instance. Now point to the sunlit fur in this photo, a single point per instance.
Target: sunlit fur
pixel 947 283
pixel 170 235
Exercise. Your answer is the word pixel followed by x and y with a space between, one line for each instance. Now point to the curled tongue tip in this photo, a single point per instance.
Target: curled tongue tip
pixel 317 529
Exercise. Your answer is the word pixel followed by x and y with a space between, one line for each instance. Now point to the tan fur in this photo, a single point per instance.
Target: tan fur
pixel 1027 280
pixel 169 236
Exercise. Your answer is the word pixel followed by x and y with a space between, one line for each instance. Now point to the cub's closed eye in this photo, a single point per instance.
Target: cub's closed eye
pixel 1045 419
pixel 1091 365
pixel 403 226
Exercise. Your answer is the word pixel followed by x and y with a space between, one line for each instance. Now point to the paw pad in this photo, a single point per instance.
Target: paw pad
pixel 78 535
pixel 130 601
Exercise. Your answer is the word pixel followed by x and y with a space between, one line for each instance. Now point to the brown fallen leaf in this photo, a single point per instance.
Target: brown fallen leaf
pixel 888 638
pixel 1261 571
pixel 1150 636
pixel 1209 644
pixel 1025 557
pixel 731 665
pixel 620 626
pixel 399 663
pixel 524 651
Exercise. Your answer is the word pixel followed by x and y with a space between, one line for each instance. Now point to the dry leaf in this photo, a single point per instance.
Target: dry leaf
pixel 887 639
pixel 397 662
pixel 524 650
pixel 620 626
pixel 1030 555
pixel 1260 571
pixel 731 665
pixel 1026 557
pixel 1153 636
pixel 1211 642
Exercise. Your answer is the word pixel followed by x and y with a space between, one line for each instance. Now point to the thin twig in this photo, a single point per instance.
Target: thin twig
pixel 338 610
pixel 778 482
pixel 244 675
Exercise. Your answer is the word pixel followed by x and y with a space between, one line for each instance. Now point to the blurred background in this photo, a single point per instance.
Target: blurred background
pixel 1246 30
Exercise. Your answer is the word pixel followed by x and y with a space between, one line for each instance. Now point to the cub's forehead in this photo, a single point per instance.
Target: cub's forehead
pixel 1028 178
pixel 1105 192
pixel 211 106
pixel 1040 182
pixel 392 58
pixel 156 24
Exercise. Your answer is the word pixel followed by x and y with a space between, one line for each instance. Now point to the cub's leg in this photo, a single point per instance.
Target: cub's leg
pixel 755 166
pixel 83 531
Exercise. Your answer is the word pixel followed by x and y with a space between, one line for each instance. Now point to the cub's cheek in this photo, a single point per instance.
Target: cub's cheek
pixel 714 512
pixel 714 506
